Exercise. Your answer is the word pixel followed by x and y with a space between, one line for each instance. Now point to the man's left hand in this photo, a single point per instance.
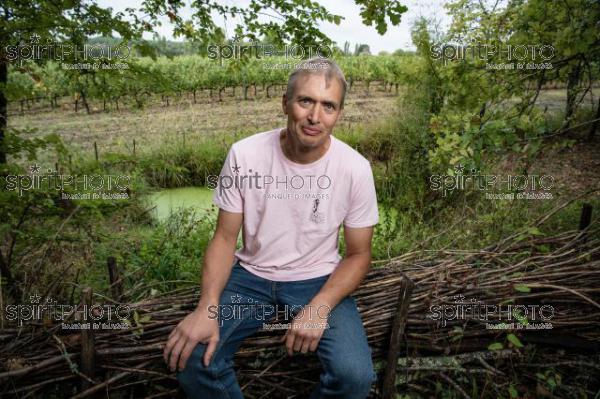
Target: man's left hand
pixel 307 329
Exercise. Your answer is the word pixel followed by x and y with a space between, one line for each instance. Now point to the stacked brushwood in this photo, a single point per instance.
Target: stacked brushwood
pixel 561 271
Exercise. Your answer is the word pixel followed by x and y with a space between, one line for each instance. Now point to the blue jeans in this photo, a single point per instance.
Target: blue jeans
pixel 343 349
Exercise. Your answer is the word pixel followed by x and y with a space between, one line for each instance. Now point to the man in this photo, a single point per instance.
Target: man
pixel 291 190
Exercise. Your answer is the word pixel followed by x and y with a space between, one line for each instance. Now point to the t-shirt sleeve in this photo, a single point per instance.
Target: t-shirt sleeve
pixel 228 195
pixel 363 200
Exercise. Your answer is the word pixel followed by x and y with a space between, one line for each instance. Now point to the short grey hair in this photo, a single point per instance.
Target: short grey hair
pixel 318 66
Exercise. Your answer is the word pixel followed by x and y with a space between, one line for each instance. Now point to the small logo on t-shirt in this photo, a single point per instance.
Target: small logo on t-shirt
pixel 316 216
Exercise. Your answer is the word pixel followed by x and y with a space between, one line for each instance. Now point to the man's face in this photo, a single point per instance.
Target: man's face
pixel 313 110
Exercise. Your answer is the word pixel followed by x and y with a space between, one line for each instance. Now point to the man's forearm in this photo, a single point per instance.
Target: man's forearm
pixel 218 262
pixel 344 280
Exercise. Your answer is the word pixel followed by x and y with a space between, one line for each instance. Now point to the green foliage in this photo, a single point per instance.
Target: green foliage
pixel 512 338
pixel 16 181
pixel 46 232
pixel 384 233
pixel 178 165
pixel 297 20
pixel 549 379
pixel 18 145
pixel 397 149
pixel 495 346
pixel 476 110
pixel 376 11
pixel 171 252
pixel 521 288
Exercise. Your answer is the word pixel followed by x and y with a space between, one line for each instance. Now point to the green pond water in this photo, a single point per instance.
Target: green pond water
pixel 169 200
pixel 199 199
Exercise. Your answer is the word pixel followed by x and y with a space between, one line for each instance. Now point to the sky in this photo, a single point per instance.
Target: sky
pixel 351 29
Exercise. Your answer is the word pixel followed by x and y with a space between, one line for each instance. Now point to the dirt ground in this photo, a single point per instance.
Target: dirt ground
pixel 575 169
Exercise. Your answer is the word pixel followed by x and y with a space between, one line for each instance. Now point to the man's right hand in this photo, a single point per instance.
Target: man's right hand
pixel 200 326
pixel 197 327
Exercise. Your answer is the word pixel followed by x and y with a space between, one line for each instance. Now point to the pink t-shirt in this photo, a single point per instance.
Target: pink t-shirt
pixel 293 212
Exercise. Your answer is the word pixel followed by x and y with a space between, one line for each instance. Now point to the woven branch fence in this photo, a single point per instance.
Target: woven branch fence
pixel 561 272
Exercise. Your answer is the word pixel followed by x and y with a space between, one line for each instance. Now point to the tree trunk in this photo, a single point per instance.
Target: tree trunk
pixel 3 110
pixel 13 290
pixel 592 132
pixel 85 104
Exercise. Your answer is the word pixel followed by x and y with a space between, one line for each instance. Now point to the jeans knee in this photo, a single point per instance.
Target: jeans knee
pixel 355 378
pixel 187 380
pixel 194 371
